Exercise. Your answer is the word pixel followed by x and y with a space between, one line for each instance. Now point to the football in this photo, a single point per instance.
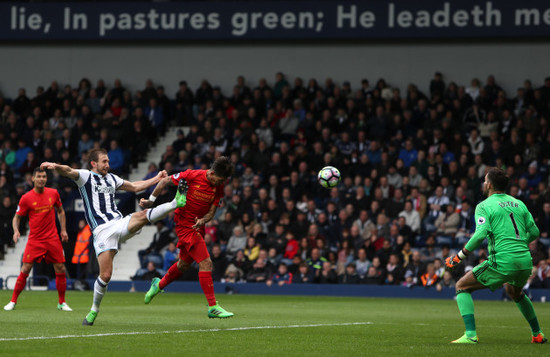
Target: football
pixel 328 176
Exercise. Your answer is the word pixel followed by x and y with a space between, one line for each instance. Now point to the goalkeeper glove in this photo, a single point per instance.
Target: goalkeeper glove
pixel 452 262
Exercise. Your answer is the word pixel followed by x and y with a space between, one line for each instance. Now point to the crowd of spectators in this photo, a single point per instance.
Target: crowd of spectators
pixel 62 123
pixel 412 167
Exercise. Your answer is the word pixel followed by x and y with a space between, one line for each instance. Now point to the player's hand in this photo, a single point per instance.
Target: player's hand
pixel 16 236
pixel 452 262
pixel 143 203
pixel 46 165
pixel 64 236
pixel 162 174
pixel 198 223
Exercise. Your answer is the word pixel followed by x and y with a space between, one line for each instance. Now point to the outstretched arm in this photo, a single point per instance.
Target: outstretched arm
pixel 147 203
pixel 138 186
pixel 63 170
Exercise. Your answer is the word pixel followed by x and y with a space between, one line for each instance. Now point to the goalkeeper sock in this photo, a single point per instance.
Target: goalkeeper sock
pixel 466 307
pixel 19 286
pixel 161 211
pixel 100 287
pixel 61 286
pixel 526 307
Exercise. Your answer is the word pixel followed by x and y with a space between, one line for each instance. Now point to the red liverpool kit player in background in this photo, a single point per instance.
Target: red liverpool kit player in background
pixel 205 189
pixel 39 204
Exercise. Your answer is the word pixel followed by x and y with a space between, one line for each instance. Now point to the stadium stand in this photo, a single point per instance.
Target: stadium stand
pixel 412 163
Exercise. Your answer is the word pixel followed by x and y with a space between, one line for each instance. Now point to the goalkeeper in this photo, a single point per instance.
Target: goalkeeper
pixel 509 227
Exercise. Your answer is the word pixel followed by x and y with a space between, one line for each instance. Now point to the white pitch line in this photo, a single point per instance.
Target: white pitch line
pixel 181 331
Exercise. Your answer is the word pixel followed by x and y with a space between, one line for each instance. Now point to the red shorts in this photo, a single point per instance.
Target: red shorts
pixel 192 246
pixel 51 250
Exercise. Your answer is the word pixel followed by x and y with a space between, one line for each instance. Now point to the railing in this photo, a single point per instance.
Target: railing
pixel 32 282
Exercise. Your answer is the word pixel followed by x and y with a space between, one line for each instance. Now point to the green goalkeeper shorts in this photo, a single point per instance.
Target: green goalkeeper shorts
pixel 493 278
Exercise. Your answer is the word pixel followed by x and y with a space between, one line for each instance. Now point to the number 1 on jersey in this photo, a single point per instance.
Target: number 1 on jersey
pixel 515 226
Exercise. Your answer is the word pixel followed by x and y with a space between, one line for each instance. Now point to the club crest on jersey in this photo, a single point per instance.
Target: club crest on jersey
pixel 105 189
pixel 480 220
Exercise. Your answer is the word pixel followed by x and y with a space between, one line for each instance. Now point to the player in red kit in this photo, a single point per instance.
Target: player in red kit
pixel 205 189
pixel 39 204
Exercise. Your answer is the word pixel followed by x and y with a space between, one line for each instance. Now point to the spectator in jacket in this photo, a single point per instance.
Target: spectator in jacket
pixel 236 242
pixel 429 278
pixel 281 277
pixel 447 224
pixel 259 273
pixel 304 275
pixel 350 276
pixel 412 217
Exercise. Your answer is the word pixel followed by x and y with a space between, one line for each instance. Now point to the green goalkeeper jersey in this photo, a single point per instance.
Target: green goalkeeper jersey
pixel 509 228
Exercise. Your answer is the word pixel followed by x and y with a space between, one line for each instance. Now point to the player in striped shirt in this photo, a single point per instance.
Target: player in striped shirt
pixel 509 227
pixel 97 188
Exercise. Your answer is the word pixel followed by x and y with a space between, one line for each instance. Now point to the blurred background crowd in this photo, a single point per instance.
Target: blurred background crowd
pixel 412 167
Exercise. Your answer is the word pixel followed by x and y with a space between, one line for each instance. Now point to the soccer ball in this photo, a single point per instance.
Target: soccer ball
pixel 328 176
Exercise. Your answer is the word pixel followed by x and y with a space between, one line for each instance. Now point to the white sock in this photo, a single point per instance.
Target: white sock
pixel 100 287
pixel 161 211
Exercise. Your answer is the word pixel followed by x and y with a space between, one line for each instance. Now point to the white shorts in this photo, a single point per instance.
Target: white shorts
pixel 107 235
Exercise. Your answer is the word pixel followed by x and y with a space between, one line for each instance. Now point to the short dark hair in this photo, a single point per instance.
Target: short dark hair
pixel 37 170
pixel 93 155
pixel 223 167
pixel 497 177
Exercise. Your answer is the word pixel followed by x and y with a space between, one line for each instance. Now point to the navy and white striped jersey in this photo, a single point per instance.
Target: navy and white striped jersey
pixel 98 194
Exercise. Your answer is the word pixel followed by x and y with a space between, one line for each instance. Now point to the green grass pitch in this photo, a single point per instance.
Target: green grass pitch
pixel 177 324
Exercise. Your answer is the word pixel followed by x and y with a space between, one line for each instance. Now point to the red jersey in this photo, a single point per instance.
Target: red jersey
pixel 201 195
pixel 40 209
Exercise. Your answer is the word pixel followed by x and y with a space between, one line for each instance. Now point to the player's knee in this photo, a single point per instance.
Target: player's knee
pixel 182 266
pixel 461 287
pixel 106 276
pixel 59 268
pixel 26 268
pixel 517 296
pixel 206 265
pixel 140 216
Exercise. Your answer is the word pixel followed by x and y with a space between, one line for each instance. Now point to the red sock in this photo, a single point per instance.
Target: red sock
pixel 61 286
pixel 172 274
pixel 19 286
pixel 207 285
